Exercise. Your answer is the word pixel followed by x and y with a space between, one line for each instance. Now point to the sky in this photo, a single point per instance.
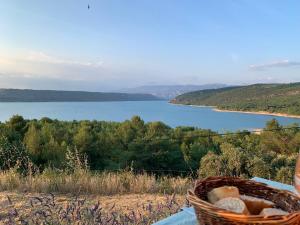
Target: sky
pixel 114 44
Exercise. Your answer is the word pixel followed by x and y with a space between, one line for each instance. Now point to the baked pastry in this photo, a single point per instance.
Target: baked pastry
pixel 256 205
pixel 273 212
pixel 233 204
pixel 222 192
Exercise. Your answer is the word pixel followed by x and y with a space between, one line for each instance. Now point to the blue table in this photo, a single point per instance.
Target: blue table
pixel 187 215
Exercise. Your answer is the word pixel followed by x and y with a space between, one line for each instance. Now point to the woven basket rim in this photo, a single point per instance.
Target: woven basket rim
pixel 218 212
pixel 226 212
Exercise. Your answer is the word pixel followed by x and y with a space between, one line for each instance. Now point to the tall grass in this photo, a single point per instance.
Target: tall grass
pixel 82 181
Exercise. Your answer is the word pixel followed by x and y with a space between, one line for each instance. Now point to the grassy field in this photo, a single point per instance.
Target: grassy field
pixel 16 208
pixel 84 181
pixel 83 197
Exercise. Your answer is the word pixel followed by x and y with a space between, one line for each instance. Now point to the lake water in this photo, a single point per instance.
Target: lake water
pixel 172 115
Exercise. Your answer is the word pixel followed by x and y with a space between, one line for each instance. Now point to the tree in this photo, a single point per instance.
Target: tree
pixel 210 165
pixel 156 130
pixel 33 142
pixel 17 127
pixel 83 139
pixel 273 125
pixel 86 144
pixel 285 175
pixel 258 168
pixel 274 138
pixel 193 154
pixel 17 123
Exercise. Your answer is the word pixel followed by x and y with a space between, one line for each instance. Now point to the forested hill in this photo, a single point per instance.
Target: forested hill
pixel 273 98
pixel 27 95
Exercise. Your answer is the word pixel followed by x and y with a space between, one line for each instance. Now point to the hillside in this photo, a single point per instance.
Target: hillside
pixel 170 91
pixel 272 98
pixel 27 95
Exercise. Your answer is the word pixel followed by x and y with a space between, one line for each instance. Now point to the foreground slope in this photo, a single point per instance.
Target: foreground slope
pixel 41 208
pixel 27 95
pixel 272 98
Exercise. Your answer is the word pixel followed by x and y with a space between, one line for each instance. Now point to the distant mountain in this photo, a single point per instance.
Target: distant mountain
pixel 28 95
pixel 170 91
pixel 272 98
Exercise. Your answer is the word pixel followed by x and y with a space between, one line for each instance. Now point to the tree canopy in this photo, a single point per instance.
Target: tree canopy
pixel 152 147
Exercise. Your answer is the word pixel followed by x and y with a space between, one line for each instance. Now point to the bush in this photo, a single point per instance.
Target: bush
pixel 13 156
pixel 285 175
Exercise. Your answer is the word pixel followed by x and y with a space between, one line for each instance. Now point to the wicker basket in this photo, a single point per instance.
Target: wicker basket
pixel 208 214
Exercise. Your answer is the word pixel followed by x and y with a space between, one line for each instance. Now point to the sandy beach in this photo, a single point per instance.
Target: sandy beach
pixel 258 113
pixel 215 108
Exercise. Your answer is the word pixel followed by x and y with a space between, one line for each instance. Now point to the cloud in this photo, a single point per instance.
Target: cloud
pixel 34 56
pixel 281 63
pixel 39 70
pixel 36 64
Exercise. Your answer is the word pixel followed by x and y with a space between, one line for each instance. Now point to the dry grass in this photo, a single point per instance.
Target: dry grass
pixel 83 197
pixel 124 203
pixel 66 209
pixel 84 181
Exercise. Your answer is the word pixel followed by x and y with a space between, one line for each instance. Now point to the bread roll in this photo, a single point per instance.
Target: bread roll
pixel 233 204
pixel 222 192
pixel 273 212
pixel 256 205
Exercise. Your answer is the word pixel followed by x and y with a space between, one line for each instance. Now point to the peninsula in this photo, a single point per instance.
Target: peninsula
pixel 270 99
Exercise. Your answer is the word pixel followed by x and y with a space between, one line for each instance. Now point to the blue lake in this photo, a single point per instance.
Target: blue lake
pixel 172 115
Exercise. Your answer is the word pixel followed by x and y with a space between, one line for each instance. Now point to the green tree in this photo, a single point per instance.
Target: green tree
pixel 83 139
pixel 231 159
pixel 258 168
pixel 210 165
pixel 17 127
pixel 285 175
pixel 33 142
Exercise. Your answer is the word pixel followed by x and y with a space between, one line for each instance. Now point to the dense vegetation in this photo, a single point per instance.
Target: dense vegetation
pixel 18 95
pixel 40 145
pixel 273 98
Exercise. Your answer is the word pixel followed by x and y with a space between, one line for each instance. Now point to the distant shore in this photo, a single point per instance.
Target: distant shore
pixel 258 113
pixel 199 106
pixel 215 108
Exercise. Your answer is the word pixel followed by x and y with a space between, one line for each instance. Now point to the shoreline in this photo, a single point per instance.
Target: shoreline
pixel 259 113
pixel 215 108
pixel 199 106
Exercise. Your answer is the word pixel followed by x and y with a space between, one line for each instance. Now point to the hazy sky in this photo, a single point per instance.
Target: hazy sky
pixel 60 44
